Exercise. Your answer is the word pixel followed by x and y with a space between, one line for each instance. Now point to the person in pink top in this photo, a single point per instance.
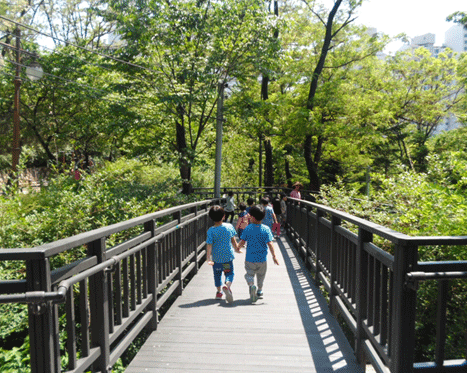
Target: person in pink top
pixel 243 219
pixel 295 193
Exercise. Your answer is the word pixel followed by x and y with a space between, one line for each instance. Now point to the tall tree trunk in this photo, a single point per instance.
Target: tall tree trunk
pixel 310 163
pixel 268 167
pixel 184 159
pixel 322 58
pixel 288 175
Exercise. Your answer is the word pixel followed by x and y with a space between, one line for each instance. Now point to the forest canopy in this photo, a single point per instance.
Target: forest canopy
pixel 308 94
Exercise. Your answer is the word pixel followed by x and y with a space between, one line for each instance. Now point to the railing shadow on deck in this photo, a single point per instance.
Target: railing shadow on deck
pixel 373 291
pixel 323 332
pixel 83 315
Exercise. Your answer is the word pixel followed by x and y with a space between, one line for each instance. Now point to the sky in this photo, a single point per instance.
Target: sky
pixel 412 17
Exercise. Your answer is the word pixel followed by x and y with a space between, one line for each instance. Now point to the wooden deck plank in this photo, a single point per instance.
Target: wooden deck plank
pixel 289 330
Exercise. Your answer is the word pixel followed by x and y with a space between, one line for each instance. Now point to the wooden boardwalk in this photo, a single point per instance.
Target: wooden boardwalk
pixel 289 330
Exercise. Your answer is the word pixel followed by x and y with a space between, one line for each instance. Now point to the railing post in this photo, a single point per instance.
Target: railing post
pixel 41 322
pixel 333 266
pixel 362 293
pixel 403 310
pixel 309 235
pixel 98 300
pixel 150 226
pixel 196 239
pixel 319 214
pixel 178 254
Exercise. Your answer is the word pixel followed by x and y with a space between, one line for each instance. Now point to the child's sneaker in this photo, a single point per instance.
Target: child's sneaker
pixel 218 295
pixel 253 293
pixel 259 293
pixel 228 294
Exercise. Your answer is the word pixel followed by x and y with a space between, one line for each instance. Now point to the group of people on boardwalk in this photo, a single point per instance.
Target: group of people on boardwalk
pixel 254 228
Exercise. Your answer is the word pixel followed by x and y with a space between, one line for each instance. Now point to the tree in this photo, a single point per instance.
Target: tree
pixel 407 97
pixel 314 78
pixel 191 46
pixel 458 17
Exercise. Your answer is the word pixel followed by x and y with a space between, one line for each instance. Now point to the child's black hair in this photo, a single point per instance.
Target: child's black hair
pixel 216 213
pixel 264 200
pixel 242 206
pixel 231 194
pixel 257 212
pixel 250 201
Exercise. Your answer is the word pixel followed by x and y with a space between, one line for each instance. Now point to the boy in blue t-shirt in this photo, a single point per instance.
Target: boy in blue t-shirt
pixel 259 239
pixel 220 242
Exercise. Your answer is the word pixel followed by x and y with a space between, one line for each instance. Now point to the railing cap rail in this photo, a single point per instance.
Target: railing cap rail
pixel 396 237
pixel 53 248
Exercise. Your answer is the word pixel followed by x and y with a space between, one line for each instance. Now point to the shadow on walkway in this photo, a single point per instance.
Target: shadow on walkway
pixel 321 327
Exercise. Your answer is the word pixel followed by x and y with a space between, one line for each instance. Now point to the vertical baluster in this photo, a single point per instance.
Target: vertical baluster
pixel 443 292
pixel 390 308
pixel 144 269
pixel 179 253
pixel 317 243
pixel 84 315
pixel 152 274
pixel 165 259
pixel 377 298
pixel 196 236
pixel 132 283
pixel 370 290
pixel 139 279
pixel 118 293
pixel 111 301
pixel 56 331
pixel 352 275
pixel 384 305
pixel 70 328
pixel 126 288
pixel 333 264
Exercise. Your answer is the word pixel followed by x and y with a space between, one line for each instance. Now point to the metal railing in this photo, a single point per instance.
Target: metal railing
pixel 373 291
pixel 241 194
pixel 87 312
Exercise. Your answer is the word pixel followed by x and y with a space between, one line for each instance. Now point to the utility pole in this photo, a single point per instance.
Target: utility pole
pixel 220 120
pixel 260 182
pixel 16 129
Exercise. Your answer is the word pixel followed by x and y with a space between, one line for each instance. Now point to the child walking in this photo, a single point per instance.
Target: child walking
pixel 259 238
pixel 230 207
pixel 243 219
pixel 269 215
pixel 219 251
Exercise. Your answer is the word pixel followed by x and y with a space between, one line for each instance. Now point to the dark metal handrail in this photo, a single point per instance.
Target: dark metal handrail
pixel 373 291
pixel 121 291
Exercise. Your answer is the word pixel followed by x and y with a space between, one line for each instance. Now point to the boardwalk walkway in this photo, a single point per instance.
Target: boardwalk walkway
pixel 289 330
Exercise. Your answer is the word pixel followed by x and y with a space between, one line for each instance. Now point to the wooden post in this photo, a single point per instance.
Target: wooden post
pixel 178 254
pixel 41 319
pixel 98 300
pixel 150 226
pixel 333 266
pixel 196 239
pixel 319 214
pixel 403 311
pixel 362 292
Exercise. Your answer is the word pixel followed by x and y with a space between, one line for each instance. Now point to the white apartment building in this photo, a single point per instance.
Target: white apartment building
pixel 456 38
